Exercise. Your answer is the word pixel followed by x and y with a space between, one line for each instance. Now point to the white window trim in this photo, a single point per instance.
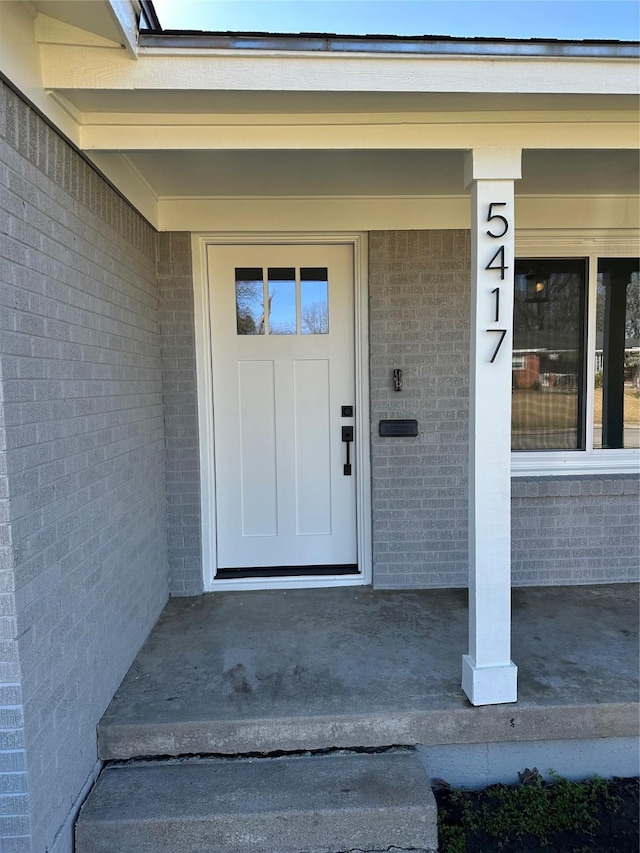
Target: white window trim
pixel 594 245
pixel 575 462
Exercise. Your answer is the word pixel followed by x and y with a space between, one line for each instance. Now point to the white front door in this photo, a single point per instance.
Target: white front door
pixel 282 337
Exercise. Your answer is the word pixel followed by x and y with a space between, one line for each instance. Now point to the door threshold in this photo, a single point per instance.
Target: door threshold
pixel 287 572
pixel 223 584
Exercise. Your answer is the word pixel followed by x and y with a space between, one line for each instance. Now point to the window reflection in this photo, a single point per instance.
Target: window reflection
pixel 290 308
pixel 548 355
pixel 314 301
pixel 249 301
pixel 282 301
pixel 616 410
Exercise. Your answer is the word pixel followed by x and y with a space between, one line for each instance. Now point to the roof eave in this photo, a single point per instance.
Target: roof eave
pixel 422 45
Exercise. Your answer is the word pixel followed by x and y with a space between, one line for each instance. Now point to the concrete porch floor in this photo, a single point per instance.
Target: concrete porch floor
pixel 259 672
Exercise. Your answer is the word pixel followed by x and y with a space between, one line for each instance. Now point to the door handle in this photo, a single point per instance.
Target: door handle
pixel 347 437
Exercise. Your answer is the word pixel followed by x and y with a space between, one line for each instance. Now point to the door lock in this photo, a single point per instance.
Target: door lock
pixel 347 437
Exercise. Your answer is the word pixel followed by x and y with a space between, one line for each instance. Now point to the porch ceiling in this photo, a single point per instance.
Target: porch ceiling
pixel 209 174
pixel 208 143
pixel 179 122
pixel 186 94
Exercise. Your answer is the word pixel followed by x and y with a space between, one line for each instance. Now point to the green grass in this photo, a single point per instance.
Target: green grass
pixel 500 817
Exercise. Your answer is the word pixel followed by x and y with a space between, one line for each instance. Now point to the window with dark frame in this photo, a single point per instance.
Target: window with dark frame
pixel 271 306
pixel 549 371
pixel 616 410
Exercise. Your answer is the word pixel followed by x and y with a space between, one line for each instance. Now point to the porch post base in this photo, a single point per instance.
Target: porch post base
pixel 489 685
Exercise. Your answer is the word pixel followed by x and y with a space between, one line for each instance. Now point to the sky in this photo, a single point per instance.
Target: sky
pixel 563 19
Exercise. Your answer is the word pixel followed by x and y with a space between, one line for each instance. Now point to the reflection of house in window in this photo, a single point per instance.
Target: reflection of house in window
pixel 548 335
pixel 549 404
pixel 526 370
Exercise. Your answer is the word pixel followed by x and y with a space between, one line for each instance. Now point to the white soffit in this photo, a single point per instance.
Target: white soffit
pixel 94 16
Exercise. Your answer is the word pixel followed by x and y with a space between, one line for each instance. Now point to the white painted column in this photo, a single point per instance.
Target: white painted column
pixel 489 677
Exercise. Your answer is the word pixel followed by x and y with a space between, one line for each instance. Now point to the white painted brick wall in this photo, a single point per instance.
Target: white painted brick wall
pixel 84 572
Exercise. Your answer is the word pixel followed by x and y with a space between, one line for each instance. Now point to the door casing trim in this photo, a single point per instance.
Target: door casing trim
pixel 359 242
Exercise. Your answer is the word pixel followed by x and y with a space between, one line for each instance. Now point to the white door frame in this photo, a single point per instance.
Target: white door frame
pixel 362 456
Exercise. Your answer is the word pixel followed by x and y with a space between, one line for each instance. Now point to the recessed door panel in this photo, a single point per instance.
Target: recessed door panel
pixel 312 425
pixel 258 463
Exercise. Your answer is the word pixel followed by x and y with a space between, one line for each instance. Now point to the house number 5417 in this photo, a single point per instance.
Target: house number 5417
pixel 499 227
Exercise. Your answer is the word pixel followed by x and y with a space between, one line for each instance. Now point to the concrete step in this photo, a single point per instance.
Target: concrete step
pixel 316 803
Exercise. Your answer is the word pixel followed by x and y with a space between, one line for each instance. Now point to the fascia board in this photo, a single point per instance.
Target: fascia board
pixel 126 17
pixel 293 136
pixel 85 68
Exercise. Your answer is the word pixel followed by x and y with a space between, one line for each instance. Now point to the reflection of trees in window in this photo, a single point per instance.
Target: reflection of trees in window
pixel 632 326
pixel 548 342
pixel 558 309
pixel 284 294
pixel 549 402
pixel 315 318
pixel 617 400
pixel 281 328
pixel 547 315
pixel 249 305
pixel 314 300
pixel 632 333
pixel 282 300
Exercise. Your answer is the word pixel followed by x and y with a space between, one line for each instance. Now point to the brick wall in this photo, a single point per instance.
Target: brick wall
pixel 175 280
pixel 565 530
pixel 85 568
pixel 419 321
pixel 575 530
pixel 14 799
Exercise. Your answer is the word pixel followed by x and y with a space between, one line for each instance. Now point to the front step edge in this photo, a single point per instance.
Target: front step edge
pixel 335 803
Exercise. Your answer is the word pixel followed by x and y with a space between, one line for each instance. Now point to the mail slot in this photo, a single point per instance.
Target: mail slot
pixel 398 428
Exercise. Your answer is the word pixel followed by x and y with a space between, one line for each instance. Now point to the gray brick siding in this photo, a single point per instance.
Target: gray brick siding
pixel 565 530
pixel 84 572
pixel 175 280
pixel 568 530
pixel 419 284
pixel 15 824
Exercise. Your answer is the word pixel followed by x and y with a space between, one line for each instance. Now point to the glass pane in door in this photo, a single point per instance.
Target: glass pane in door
pixel 314 301
pixel 282 301
pixel 249 301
